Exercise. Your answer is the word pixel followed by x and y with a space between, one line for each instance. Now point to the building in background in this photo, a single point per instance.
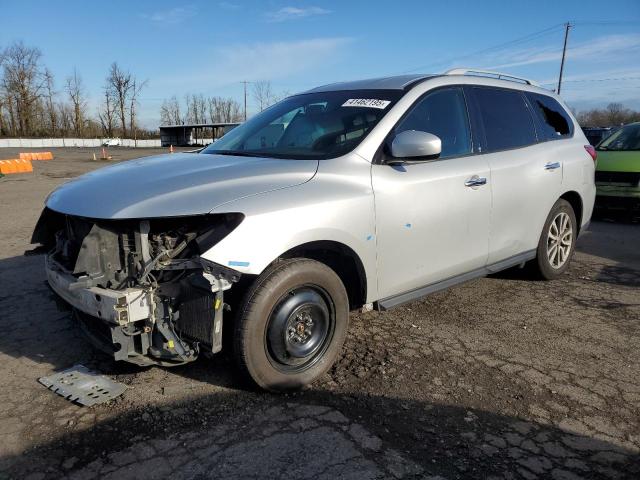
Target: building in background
pixel 193 134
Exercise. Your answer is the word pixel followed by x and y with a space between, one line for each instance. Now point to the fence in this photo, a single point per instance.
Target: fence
pixel 71 142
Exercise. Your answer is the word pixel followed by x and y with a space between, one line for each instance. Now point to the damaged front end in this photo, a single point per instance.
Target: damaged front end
pixel 140 288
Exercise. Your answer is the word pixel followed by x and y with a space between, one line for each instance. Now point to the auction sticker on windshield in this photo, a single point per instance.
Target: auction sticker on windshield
pixel 366 102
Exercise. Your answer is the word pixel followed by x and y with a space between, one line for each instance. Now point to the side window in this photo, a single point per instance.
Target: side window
pixel 506 119
pixel 553 119
pixel 443 113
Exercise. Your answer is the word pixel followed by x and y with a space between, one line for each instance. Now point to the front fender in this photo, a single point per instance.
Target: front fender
pixel 319 210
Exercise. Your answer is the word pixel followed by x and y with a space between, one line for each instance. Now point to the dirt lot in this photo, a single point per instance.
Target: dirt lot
pixel 500 377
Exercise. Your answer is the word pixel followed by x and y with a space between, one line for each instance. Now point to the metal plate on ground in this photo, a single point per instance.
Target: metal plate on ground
pixel 81 385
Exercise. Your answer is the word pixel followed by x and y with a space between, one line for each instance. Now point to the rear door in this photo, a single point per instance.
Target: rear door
pixel 431 222
pixel 526 173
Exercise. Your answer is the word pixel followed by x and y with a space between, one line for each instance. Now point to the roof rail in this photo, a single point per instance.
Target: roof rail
pixel 490 74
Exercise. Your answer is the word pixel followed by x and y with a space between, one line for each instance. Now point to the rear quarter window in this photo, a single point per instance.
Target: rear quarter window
pixel 553 120
pixel 506 119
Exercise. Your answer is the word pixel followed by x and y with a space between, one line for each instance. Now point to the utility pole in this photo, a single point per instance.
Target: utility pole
pixel 567 26
pixel 245 99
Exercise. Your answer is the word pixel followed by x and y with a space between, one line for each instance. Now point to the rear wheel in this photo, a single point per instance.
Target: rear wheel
pixel 292 325
pixel 557 242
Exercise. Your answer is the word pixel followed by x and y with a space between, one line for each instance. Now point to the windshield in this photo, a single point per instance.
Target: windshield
pixel 309 126
pixel 627 138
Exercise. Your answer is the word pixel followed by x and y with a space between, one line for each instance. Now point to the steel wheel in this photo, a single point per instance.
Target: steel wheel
pixel 299 330
pixel 559 240
pixel 291 325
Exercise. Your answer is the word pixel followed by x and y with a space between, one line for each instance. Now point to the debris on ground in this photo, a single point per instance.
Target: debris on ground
pixel 81 385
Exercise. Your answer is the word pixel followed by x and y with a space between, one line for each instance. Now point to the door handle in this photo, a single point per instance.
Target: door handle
pixel 552 165
pixel 475 181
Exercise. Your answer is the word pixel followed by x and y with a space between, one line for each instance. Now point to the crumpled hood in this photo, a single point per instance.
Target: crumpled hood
pixel 175 185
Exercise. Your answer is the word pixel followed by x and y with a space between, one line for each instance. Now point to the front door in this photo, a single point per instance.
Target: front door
pixel 432 217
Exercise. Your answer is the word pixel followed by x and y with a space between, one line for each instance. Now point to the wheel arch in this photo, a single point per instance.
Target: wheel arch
pixel 342 259
pixel 575 200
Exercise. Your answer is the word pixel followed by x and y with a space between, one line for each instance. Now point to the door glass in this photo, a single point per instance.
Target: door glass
pixel 554 121
pixel 443 113
pixel 506 118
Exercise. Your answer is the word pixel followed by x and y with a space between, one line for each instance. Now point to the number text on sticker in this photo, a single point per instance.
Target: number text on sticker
pixel 366 102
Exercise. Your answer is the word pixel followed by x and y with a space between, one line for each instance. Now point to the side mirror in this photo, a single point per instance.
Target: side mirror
pixel 417 145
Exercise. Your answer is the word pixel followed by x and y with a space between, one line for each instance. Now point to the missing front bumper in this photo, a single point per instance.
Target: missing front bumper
pixel 119 307
pixel 137 349
pixel 142 326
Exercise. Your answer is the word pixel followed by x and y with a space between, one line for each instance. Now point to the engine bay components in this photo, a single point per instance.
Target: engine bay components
pixel 139 288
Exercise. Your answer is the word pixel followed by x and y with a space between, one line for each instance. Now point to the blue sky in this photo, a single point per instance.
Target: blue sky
pixel 209 47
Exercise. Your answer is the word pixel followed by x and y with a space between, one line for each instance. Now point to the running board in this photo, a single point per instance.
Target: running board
pixel 402 298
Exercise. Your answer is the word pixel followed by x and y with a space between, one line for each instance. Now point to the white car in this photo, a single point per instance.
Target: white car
pixel 111 142
pixel 368 193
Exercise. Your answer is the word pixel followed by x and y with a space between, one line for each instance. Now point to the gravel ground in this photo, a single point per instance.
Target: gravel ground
pixel 501 377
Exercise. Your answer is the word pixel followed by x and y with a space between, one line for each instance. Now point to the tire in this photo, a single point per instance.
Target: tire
pixel 549 263
pixel 291 325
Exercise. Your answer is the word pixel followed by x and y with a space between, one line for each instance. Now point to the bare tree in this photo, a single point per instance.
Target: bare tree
pixel 613 114
pixel 3 102
pixel 22 85
pixel 223 110
pixel 31 106
pixel 136 88
pixel 120 83
pixel 65 118
pixel 617 113
pixel 196 108
pixel 263 94
pixel 3 128
pixel 200 107
pixel 75 90
pixel 170 112
pixel 50 94
pixel 213 108
pixel 107 112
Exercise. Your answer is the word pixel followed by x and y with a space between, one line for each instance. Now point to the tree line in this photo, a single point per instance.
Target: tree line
pixel 613 114
pixel 32 105
pixel 198 108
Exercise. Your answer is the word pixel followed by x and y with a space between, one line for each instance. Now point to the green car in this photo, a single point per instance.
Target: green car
pixel 618 170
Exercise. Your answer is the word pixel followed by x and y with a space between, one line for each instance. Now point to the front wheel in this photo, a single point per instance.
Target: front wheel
pixel 292 325
pixel 557 241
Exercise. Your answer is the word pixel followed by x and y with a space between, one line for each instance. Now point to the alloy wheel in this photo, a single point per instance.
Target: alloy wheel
pixel 559 240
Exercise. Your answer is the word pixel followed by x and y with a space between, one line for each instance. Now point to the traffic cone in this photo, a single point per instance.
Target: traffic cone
pixel 104 155
pixel 170 148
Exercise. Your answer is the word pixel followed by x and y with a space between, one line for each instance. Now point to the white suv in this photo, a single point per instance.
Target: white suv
pixel 351 194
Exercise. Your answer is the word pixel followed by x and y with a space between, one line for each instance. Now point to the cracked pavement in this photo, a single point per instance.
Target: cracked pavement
pixel 501 377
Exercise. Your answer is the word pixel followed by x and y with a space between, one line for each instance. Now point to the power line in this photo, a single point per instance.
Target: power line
pixel 609 22
pixel 500 46
pixel 614 79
